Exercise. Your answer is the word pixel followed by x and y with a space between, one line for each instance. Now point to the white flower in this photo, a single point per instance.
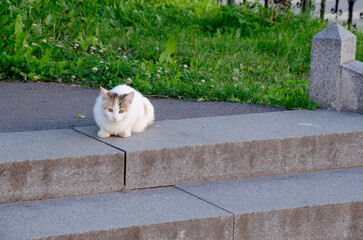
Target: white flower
pixel 73 77
pixel 235 78
pixel 129 80
pixel 241 66
pixel 44 41
pixel 59 45
pixel 235 71
pixel 158 71
pixel 212 86
pixel 93 48
pixel 119 48
pixel 107 68
pixel 185 66
pixel 157 48
pixel 101 51
pixel 166 71
pixel 34 44
pixel 212 80
pixel 96 39
pixel 94 69
pixel 35 25
pixel 76 45
pixel 125 57
pixel 118 56
pixel 158 75
pixel 25 45
pixel 101 61
pixel 202 81
pixel 210 69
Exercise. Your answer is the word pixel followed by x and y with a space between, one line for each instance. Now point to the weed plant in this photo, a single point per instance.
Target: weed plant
pixel 195 50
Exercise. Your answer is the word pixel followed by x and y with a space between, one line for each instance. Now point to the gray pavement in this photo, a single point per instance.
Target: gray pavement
pixel 43 106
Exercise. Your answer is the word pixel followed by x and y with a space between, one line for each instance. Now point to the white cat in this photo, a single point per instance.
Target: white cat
pixel 121 111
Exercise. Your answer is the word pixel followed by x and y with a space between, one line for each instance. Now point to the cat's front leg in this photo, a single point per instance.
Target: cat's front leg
pixel 103 134
pixel 126 133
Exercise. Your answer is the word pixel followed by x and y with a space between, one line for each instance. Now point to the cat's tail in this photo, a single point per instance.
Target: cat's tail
pixel 148 111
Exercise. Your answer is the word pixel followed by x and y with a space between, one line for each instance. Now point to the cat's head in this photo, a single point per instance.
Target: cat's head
pixel 116 106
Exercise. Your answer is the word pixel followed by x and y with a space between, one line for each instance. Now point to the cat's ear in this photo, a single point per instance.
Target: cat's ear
pixel 129 97
pixel 104 94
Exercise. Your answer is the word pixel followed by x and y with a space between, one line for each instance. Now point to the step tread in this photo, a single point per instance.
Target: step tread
pixel 49 144
pixel 55 217
pixel 284 191
pixel 235 128
pixel 202 202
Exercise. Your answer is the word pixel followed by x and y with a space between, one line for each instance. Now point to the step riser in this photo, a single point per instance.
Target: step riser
pixel 64 177
pixel 336 221
pixel 213 229
pixel 226 161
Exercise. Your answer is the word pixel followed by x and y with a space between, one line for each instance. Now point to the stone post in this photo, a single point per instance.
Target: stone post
pixel 330 49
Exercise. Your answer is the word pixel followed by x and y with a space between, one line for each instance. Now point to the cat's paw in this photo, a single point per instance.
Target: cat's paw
pixel 125 134
pixel 103 134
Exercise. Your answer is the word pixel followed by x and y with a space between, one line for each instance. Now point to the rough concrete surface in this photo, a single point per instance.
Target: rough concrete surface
pixel 56 163
pixel 229 147
pixel 321 205
pixel 166 213
pixel 37 106
pixel 341 221
pixel 352 87
pixel 330 48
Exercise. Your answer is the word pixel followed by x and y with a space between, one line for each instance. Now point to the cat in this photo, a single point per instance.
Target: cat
pixel 122 111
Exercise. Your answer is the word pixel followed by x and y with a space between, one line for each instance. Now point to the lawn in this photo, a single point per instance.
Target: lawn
pixel 194 50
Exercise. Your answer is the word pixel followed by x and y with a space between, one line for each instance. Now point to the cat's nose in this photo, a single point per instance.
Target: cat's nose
pixel 115 118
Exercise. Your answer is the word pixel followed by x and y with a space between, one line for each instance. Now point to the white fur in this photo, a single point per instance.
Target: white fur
pixel 123 124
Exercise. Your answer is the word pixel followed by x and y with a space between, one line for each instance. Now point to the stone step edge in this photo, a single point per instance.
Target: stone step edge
pixel 245 226
pixel 245 159
pixel 128 162
pixel 212 220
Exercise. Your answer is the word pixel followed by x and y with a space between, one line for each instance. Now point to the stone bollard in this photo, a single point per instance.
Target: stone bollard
pixel 336 79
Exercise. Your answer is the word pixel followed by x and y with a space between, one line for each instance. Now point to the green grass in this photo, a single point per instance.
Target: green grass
pixel 193 50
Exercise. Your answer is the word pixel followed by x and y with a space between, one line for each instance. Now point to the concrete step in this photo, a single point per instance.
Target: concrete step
pixel 319 205
pixel 56 163
pixel 230 147
pixel 61 163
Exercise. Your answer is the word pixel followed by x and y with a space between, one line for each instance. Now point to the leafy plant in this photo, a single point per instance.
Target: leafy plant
pixel 194 50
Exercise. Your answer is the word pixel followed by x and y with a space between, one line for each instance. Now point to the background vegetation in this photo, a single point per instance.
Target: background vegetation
pixel 194 50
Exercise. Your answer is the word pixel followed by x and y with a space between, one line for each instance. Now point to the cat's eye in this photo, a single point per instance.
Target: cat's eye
pixel 121 111
pixel 110 110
